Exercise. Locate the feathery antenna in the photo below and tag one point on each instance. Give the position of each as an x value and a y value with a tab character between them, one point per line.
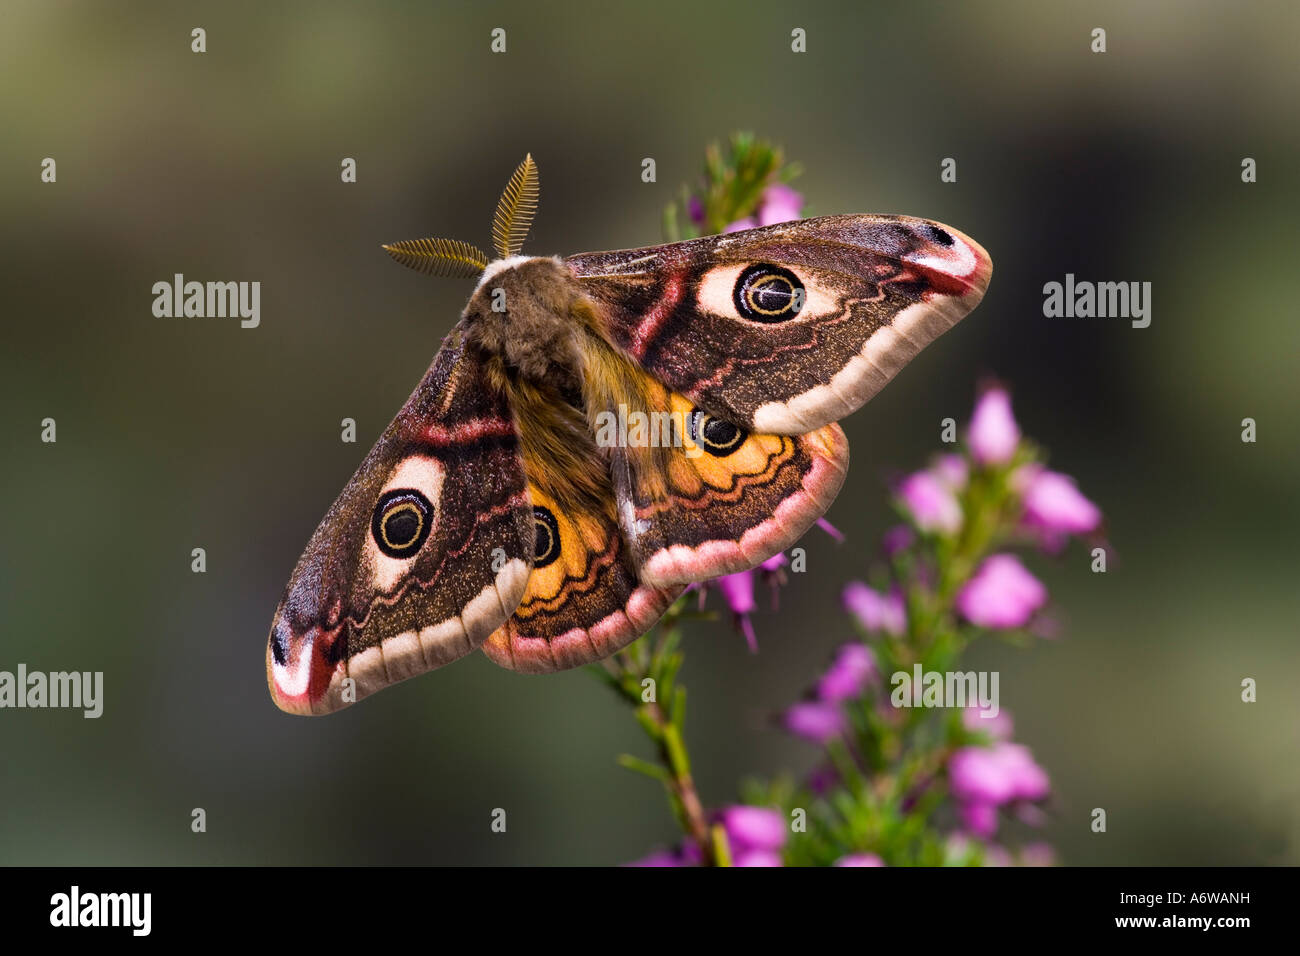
439	257
516	209
451	257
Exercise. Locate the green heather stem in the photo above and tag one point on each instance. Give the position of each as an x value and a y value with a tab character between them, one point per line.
664	726
680	784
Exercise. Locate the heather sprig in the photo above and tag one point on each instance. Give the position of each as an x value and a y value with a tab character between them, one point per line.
929	785
745	186
893	784
644	675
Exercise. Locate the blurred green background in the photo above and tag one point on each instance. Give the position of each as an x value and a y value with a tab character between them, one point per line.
175	433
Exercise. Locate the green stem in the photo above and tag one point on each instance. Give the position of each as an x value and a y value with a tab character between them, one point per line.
663	725
679	783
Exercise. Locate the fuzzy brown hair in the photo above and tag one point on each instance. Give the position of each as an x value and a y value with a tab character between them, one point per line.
535	335
547	353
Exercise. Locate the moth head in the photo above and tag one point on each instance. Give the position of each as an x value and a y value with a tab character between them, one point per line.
510	225
520	311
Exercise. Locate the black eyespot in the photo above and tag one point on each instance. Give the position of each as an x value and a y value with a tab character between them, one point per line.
717	436
935	234
401	522
547	546
768	293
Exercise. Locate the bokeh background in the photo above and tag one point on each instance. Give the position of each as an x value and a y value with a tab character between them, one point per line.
175	433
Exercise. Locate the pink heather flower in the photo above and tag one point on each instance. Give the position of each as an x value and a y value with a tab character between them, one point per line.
757	858
860	859
1001	594
1053	503
980	819
853	669
952	470
815	720
738	591
931	503
875	611
753	828
996	775
1037	854
896	539
780	203
696	210
994	434
995	855
895	618
830	529
998	727
976	776
740	225
1028	780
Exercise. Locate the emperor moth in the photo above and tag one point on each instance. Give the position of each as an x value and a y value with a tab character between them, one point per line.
489	515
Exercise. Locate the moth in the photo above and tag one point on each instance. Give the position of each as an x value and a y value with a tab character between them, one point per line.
500	510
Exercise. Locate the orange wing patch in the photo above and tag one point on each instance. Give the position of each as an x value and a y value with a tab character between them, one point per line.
583	601
722	500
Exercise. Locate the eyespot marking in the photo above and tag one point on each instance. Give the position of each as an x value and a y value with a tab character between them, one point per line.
546	547
717	436
768	293
401	522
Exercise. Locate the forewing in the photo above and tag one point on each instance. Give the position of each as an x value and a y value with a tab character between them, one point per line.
426	551
706	316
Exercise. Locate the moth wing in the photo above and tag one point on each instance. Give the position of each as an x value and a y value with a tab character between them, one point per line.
426	551
715	499
711	318
584	600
